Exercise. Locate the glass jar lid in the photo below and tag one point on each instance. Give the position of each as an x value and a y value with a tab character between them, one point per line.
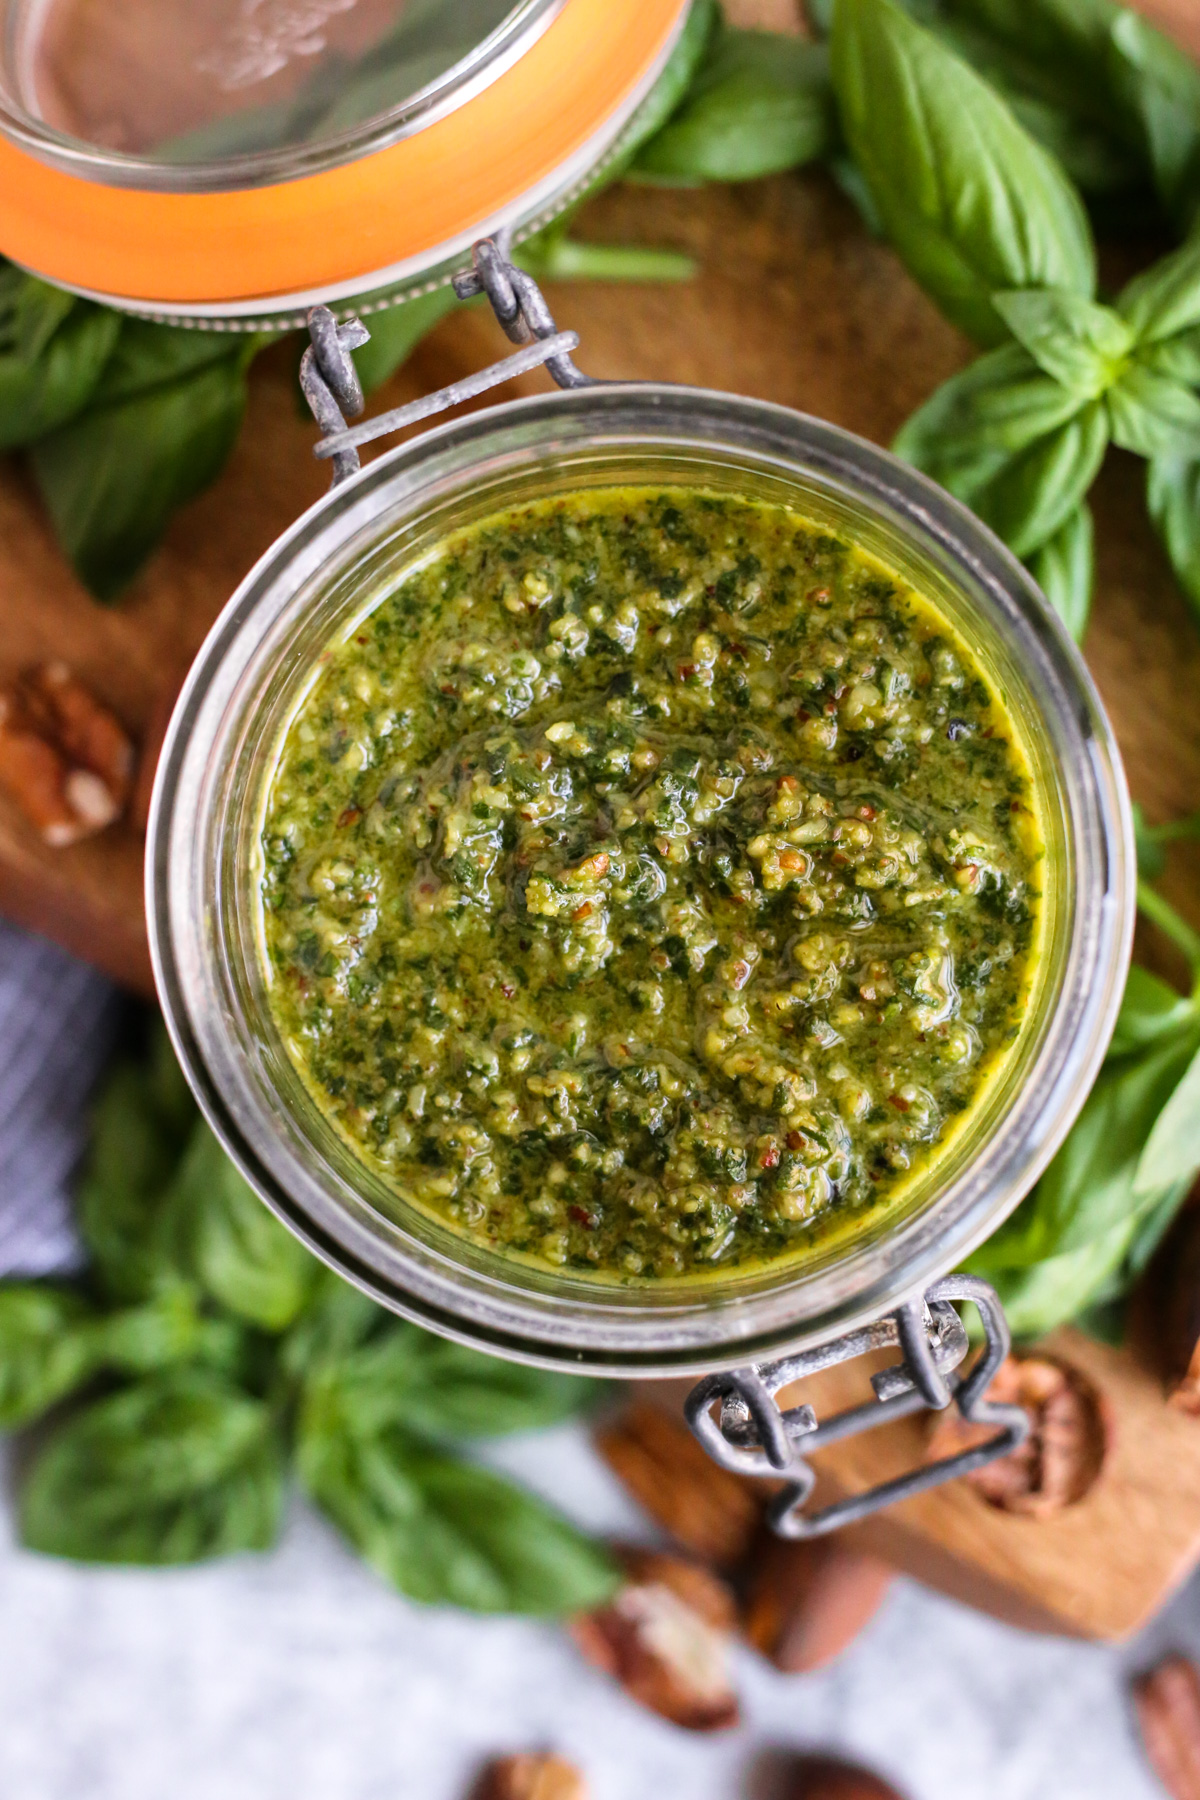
282	153
161	92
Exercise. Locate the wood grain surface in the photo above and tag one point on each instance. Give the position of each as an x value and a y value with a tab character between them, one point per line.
797	304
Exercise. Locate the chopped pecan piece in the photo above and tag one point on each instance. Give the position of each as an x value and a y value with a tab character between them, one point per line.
806	1602
1167	1702
824	1778
1061	1459
711	1512
88	734
665	1637
64	758
533	1776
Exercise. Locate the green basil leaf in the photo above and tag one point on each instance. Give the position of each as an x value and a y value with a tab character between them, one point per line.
976	422
135	1149
172	1470
671	89
1151	857
337	1319
410	1379
1050	61
1164	301
396	332
1173	502
46	1350
144	1339
971	202
1150	1009
235	1247
1082	345
1152	415
1010	442
1173	1151
1160	86
441	1530
42	389
1064	569
112	478
1089	1188
760	103
1039	1298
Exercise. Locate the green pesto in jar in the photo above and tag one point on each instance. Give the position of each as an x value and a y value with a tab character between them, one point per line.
648	883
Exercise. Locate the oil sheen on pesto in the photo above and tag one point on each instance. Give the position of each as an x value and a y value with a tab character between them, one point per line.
647	883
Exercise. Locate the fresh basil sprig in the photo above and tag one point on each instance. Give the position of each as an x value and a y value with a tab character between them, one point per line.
206	1355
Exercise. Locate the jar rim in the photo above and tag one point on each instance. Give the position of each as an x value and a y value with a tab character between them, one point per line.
481	1301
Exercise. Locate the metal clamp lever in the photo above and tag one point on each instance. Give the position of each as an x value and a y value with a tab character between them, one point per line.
334	392
753	1435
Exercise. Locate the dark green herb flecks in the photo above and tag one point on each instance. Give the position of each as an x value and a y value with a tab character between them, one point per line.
647	883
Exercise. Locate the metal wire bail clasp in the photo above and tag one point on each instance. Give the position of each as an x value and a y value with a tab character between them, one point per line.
752	1435
333	391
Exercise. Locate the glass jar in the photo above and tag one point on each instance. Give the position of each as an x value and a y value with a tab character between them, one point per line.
239	161
333	567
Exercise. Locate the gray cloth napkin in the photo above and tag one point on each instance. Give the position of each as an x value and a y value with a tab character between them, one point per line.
58	1020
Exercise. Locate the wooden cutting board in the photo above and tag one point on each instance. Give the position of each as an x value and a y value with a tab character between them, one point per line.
797	304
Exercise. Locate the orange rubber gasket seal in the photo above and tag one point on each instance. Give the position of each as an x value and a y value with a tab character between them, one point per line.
354	220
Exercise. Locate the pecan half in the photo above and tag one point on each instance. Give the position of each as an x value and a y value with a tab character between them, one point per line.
533	1776
1061	1459
824	1778
665	1637
806	1602
711	1512
64	758
1167	1703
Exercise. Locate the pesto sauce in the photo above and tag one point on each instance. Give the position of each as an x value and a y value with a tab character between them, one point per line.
646	883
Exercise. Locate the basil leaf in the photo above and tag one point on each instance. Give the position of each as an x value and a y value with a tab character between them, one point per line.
671	89
977	421
1153	415
970	201
136	1145
336	1320
1173	502
396	332
1164	301
46	1350
441	1530
759	104
50	364
1039	1298
1082	345
1064	569
112	479
1010	442
1160	86
1151	857
424	1384
234	1246
1089	1187
168	1329
172	1470
1173	1151
1150	1009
